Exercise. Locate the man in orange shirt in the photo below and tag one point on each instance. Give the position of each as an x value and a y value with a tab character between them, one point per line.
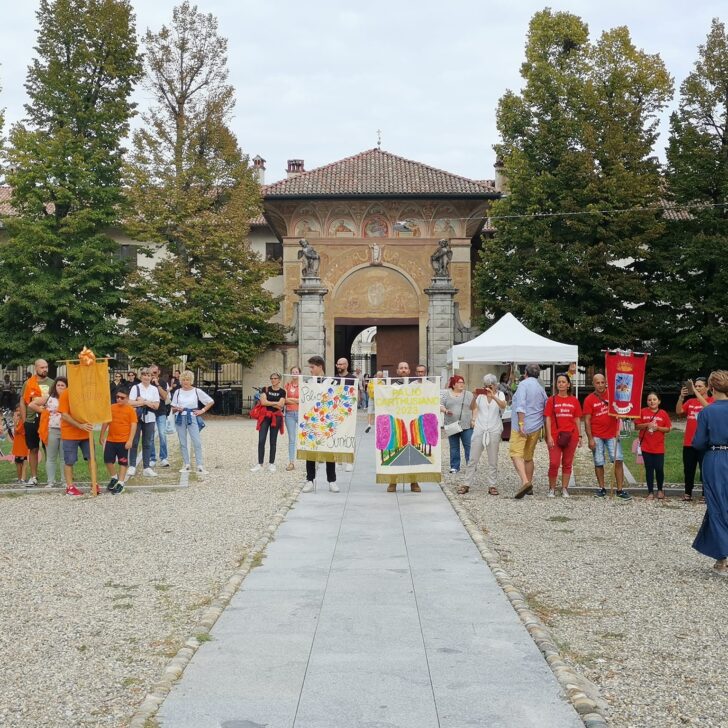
116	437
74	435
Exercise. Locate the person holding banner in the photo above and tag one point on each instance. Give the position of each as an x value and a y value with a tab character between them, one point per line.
562	416
602	432
317	367
691	457
653	423
74	436
711	437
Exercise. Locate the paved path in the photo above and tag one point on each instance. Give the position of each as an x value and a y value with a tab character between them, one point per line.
370	610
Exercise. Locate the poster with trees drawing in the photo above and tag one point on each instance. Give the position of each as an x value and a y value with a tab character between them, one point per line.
326	421
407	432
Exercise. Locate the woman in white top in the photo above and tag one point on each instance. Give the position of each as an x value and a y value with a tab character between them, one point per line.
487	427
189	403
145	397
53	446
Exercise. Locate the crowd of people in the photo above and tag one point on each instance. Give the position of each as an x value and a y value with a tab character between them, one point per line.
145	405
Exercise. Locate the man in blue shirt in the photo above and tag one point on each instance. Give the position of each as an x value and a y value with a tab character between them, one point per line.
528	405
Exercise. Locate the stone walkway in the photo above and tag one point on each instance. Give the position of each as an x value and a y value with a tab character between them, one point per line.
370	610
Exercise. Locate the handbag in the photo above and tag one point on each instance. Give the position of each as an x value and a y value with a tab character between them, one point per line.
455	427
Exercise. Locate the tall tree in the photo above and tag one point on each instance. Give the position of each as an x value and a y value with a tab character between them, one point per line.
191	188
691	278
576	145
59	274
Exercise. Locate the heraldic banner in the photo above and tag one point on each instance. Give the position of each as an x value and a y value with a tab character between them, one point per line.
88	389
326	421
407	432
625	379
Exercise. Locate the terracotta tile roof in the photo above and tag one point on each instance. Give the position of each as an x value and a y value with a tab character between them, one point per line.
377	173
5	206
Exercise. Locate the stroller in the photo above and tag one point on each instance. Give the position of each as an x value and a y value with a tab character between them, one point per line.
6	433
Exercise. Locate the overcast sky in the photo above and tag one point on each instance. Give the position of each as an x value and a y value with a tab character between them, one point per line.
315	80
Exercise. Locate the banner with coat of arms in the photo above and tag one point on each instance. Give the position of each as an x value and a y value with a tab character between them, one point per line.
407	432
326	420
625	374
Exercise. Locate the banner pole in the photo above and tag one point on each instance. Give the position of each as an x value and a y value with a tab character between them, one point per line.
92	464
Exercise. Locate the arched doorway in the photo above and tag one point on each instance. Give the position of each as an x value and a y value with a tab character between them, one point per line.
384	297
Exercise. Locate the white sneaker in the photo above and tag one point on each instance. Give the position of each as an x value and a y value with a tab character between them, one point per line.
308	488
164	463
552	494
349	467
271	468
32	482
131	472
50	484
256	468
149	473
183	469
333	487
202	471
152	463
565	493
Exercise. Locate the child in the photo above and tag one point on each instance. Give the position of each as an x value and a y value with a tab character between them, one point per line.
117	437
653	423
20	449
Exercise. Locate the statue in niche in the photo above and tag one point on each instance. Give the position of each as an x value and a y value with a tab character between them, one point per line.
441	258
311	259
376	254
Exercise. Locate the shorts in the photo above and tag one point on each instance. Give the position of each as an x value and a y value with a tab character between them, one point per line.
70	450
613	447
114	451
523	446
32	439
19	459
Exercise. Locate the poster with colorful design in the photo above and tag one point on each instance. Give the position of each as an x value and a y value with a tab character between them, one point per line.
625	379
326	420
407	432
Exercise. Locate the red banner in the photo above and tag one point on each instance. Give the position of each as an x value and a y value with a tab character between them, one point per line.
625	379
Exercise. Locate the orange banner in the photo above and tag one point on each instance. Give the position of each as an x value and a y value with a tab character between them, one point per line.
88	392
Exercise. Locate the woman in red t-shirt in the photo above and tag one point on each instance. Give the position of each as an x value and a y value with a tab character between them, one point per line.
562	415
691	409
653	423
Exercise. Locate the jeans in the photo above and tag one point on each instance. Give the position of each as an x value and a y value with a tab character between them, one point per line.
292	427
265	427
465	437
53	450
146	431
162	430
188	426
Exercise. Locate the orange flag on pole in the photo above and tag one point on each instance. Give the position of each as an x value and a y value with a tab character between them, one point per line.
88	389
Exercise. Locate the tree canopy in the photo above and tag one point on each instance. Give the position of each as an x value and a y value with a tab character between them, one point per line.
59	273
578	219
191	189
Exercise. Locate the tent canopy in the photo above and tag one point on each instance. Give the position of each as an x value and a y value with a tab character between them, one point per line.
508	340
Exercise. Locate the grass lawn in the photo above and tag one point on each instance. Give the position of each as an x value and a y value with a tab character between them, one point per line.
81	468
673	458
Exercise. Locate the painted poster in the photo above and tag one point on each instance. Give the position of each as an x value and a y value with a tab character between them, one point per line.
326	420
407	432
625	378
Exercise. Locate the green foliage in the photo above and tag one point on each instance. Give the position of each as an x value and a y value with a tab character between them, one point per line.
190	187
59	273
689	267
577	139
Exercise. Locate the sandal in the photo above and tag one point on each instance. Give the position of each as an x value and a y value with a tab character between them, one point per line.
701	500
660	495
687	498
463	489
493	490
650	496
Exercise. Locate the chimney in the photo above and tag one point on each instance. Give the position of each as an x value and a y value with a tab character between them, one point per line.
501	178
259	169
295	167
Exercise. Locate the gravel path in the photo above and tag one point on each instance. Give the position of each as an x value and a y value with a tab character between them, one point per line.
632	606
98	594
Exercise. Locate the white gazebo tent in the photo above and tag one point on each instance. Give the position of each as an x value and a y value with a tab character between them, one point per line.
509	341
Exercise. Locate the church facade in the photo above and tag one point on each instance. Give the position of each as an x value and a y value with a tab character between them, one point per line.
373	240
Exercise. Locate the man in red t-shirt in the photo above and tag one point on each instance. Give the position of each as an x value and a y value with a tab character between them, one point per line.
603	432
691	408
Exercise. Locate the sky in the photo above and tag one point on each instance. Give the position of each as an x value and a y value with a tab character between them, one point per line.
316	80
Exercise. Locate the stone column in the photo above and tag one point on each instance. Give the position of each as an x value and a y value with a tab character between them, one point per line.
441	324
311	326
